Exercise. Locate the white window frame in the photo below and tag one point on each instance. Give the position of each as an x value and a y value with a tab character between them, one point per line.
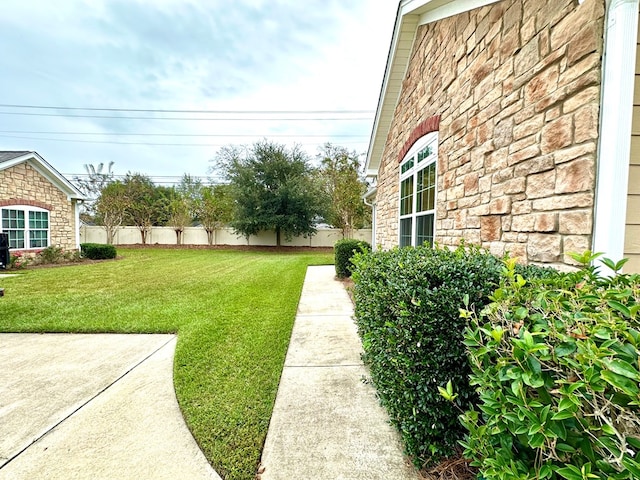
27	230
430	141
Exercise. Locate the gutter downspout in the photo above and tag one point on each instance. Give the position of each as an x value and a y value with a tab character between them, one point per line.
367	195
618	75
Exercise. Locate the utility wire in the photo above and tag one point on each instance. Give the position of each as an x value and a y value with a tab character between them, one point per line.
226	112
110	142
222	119
181	134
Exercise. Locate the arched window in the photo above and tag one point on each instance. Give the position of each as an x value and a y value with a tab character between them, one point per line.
28	227
418	192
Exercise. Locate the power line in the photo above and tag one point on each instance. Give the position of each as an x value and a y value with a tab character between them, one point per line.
183	134
225	119
225	112
111	142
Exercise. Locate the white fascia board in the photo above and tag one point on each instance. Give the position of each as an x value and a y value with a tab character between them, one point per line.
411	14
614	140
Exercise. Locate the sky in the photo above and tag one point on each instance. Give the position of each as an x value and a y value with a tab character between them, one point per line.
159	86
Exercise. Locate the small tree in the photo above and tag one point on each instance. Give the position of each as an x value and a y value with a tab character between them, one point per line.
179	217
273	189
111	208
343	187
215	209
144	204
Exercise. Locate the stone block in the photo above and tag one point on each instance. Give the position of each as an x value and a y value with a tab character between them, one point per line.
490	228
576	222
557	134
523	223
563	202
524	154
471	184
571	153
500	206
541	185
534	165
521	207
575	244
586	123
575	176
546	222
545	248
542	85
588	96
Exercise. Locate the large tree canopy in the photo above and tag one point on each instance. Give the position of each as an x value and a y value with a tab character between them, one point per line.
273	189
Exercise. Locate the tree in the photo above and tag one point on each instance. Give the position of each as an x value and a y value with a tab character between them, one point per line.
92	186
111	208
146	204
343	187
215	209
179	216
273	189
190	189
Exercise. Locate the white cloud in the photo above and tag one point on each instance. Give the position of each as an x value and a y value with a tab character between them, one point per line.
170	54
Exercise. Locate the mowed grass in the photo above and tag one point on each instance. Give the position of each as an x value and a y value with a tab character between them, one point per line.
233	312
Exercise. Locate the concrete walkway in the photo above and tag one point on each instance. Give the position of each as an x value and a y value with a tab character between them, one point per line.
327	423
93	407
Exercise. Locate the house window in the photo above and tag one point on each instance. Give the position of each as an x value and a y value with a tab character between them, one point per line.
418	192
28	227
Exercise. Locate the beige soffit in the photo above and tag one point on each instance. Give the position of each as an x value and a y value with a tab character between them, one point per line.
411	14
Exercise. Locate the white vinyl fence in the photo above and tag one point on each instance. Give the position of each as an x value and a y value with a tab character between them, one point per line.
225	236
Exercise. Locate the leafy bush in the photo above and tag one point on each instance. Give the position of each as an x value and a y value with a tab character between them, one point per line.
344	251
555	364
97	251
51	254
17	261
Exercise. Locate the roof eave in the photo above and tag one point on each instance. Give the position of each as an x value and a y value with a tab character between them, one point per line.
411	14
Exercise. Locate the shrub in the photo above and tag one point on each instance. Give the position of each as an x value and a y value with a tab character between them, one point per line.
408	315
51	254
97	251
17	261
344	251
555	365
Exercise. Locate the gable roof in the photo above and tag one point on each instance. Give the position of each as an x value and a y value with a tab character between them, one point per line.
411	14
9	159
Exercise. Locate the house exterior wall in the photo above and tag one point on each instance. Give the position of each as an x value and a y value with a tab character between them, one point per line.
517	88
24	185
632	231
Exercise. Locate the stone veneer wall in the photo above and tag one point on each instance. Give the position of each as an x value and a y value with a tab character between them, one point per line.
23	185
517	85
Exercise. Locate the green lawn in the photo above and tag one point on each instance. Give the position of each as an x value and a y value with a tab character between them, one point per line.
233	312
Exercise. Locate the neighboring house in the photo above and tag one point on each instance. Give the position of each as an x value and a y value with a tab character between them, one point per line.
511	124
38	206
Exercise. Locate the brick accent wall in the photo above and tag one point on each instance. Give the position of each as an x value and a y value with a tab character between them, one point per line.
517	86
23	185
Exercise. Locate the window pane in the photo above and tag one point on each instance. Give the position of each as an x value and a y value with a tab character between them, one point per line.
426	189
424	229
12	218
38	220
408	165
405	232
38	239
406	196
16	238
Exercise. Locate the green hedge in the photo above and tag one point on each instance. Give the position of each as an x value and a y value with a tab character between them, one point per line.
344	250
97	251
555	363
408	315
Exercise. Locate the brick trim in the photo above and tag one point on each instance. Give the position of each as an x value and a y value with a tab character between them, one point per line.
431	124
23	201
